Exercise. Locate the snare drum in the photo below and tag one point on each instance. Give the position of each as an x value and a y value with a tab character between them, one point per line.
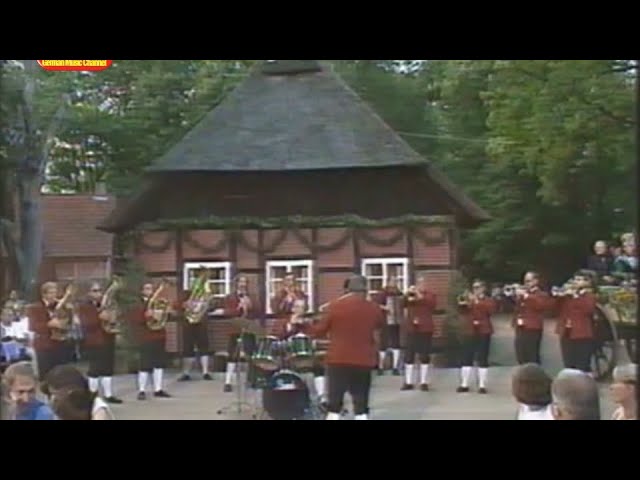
268	354
300	352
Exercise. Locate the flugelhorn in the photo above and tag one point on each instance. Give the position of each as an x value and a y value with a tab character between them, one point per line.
510	290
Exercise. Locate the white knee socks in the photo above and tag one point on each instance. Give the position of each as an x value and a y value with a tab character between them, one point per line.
333	416
107	386
465	374
424	374
381	357
408	374
204	363
396	358
231	369
482	377
318	383
157	379
143	378
364	416
94	384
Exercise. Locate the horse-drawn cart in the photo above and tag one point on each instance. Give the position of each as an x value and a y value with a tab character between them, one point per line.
616	328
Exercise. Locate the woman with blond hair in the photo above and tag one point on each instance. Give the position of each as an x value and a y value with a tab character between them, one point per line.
623	391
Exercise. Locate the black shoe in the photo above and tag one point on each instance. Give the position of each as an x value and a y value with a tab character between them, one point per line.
161	394
407	386
185	377
380	372
113	400
424	387
483	391
396	372
228	388
142	396
462	389
207	376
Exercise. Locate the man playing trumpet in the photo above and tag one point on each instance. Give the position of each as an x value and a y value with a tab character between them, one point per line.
391	300
420	304
476	308
576	305
531	305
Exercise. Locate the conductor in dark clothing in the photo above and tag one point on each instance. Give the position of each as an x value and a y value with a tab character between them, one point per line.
352	323
601	262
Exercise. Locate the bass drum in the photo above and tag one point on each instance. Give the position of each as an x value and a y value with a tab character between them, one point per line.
286	396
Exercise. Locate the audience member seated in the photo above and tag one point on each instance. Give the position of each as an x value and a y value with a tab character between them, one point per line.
70	396
623	392
625	267
601	263
531	387
575	396
13	339
20	382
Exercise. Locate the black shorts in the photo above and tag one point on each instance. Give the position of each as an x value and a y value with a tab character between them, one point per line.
195	336
476	349
418	343
390	337
152	355
101	360
61	354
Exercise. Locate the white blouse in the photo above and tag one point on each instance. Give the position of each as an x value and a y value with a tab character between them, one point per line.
527	412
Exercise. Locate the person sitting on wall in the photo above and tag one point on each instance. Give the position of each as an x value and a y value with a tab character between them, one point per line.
601	262
625	267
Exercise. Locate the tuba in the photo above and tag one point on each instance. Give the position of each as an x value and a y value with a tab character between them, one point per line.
159	308
64	315
109	313
198	303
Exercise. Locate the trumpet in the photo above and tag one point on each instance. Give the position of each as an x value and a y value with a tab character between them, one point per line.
568	289
464	298
511	290
412	293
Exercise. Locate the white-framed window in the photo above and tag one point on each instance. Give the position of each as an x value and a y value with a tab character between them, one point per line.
378	270
276	270
220	281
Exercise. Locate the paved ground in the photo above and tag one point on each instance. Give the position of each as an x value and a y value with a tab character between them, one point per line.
200	400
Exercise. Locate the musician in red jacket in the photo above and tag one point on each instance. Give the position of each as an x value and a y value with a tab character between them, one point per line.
282	301
420	304
296	323
528	320
353	324
577	306
49	352
100	346
391	299
238	304
151	343
476	309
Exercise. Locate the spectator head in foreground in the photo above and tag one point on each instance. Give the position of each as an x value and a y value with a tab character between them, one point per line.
575	396
624	391
531	387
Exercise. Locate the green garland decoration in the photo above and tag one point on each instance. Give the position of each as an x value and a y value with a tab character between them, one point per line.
353	221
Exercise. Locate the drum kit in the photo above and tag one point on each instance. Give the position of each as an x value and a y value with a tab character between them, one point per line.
277	368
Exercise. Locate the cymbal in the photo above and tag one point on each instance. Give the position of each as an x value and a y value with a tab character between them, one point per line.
249	326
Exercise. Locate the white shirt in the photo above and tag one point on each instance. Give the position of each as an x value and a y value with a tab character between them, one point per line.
15	330
99	404
528	413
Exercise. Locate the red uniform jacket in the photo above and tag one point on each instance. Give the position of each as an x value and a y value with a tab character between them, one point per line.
420	310
232	309
282	305
350	323
477	316
532	310
576	316
38	314
279	328
94	334
138	319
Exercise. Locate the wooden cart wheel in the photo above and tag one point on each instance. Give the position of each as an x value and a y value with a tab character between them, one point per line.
605	355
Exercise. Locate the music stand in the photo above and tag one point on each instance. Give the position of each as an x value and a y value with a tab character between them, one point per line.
240	404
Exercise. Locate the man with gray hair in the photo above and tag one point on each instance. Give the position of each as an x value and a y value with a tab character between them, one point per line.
575	396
